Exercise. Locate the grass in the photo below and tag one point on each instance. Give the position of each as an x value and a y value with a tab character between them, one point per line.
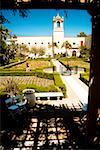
39	84
85	76
33	64
75	62
59	83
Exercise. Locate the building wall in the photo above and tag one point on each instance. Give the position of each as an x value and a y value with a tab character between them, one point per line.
88	42
46	41
58	38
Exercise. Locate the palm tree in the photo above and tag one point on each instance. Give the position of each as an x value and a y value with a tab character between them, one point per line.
67	46
11	87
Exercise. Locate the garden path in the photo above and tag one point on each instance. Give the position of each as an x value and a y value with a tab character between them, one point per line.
77	91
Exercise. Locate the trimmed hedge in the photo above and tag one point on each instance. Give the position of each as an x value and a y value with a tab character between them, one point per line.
37	73
58	82
37	88
85	78
51	88
13	64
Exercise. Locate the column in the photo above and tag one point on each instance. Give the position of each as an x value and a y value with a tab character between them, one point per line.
94	86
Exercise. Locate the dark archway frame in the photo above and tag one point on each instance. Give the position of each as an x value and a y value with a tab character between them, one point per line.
93	8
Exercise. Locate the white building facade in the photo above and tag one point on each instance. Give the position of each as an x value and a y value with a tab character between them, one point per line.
57	37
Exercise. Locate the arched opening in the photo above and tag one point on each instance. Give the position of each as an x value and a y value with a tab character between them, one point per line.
74	53
58	24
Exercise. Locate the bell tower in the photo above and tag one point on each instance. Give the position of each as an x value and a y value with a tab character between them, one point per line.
58	28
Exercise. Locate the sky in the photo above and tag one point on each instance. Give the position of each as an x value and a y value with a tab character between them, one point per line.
39	22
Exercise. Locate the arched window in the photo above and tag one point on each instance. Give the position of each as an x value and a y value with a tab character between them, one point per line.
58	24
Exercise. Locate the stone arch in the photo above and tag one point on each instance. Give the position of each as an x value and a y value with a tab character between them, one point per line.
74	53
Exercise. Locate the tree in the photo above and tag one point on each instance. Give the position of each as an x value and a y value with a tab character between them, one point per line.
67	46
5	33
12	49
41	51
81	34
22	49
84	52
35	50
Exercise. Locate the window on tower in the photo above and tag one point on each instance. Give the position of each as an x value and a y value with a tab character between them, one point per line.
58	24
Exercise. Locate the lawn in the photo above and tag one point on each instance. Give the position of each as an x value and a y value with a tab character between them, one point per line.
36	78
39	84
80	63
33	64
75	62
85	75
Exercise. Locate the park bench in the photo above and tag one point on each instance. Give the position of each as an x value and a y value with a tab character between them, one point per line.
49	96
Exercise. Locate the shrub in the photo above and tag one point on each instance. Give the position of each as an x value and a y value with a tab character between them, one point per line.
59	83
38	73
12	64
84	77
37	88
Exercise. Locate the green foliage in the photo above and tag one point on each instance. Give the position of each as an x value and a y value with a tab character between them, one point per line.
81	34
59	83
66	44
6	52
37	73
85	77
37	88
34	50
22	49
73	61
44	59
84	52
10	87
41	51
12	64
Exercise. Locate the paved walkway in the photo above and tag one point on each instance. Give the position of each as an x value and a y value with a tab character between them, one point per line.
77	91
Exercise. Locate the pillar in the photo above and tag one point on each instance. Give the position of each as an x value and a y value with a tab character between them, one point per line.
94	84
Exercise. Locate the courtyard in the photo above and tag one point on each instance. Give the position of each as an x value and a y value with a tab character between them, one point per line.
29	123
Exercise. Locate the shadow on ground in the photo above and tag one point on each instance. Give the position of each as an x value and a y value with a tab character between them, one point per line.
45	127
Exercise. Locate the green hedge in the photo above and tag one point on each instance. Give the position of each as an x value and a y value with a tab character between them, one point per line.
12	64
84	77
59	83
37	73
51	88
37	88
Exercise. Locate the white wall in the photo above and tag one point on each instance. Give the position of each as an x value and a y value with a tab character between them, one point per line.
75	41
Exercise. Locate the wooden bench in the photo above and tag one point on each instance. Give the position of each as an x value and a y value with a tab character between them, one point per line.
49	95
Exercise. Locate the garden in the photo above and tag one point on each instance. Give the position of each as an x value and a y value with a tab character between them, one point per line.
79	63
35	78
